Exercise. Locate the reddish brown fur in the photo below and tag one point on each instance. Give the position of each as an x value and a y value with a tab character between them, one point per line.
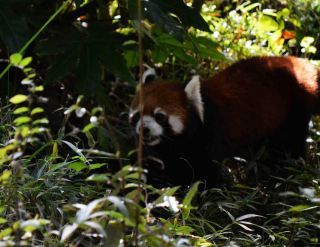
253	107
253	98
167	95
266	100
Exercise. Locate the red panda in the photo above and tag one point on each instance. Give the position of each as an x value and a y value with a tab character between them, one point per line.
257	100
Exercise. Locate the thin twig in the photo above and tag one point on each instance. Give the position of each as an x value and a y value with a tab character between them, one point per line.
140	141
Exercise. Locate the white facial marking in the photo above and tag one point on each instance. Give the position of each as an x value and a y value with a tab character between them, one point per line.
176	124
132	112
155	130
149	71
153	142
158	109
194	95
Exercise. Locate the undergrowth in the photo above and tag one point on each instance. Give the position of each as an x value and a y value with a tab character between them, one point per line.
62	189
79	185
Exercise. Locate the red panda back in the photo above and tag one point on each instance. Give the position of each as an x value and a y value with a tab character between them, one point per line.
254	97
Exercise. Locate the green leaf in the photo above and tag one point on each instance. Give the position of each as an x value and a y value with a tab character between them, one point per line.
132	58
307	41
160	54
22	120
167	192
118	203
41	121
37	110
245	9
58	166
181	54
188	16
68	231
21	110
88	127
2	220
96	166
75	149
98	178
39	88
267	24
115	228
184	230
96	226
301	208
25	62
161	11
158	14
247	216
190	195
6	174
19	98
33	224
15	58
5	232
166	39
77	166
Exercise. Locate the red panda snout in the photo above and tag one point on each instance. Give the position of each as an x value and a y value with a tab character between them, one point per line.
152	131
156	127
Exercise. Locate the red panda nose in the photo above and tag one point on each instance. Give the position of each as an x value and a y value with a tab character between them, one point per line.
146	131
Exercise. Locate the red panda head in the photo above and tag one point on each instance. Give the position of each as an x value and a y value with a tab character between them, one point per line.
165	107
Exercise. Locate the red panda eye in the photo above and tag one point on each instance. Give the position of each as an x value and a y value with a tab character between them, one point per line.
160	117
135	118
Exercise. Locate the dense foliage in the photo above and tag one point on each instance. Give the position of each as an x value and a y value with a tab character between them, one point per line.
68	171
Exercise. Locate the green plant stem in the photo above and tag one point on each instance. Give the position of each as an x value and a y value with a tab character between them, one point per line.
29	42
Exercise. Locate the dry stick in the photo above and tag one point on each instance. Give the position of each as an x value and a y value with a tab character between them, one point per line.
140	141
140	146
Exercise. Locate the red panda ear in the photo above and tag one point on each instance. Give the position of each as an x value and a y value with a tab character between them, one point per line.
193	92
149	75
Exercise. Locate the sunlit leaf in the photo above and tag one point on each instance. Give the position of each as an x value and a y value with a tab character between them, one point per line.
19	98
77	166
41	121
191	194
86	210
2	220
88	127
5	232
247	216
21	110
36	110
68	231
74	148
245	227
96	166
267	24
39	88
98	178
96	226
15	58
25	62
119	203
22	120
33	224
301	208
307	41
